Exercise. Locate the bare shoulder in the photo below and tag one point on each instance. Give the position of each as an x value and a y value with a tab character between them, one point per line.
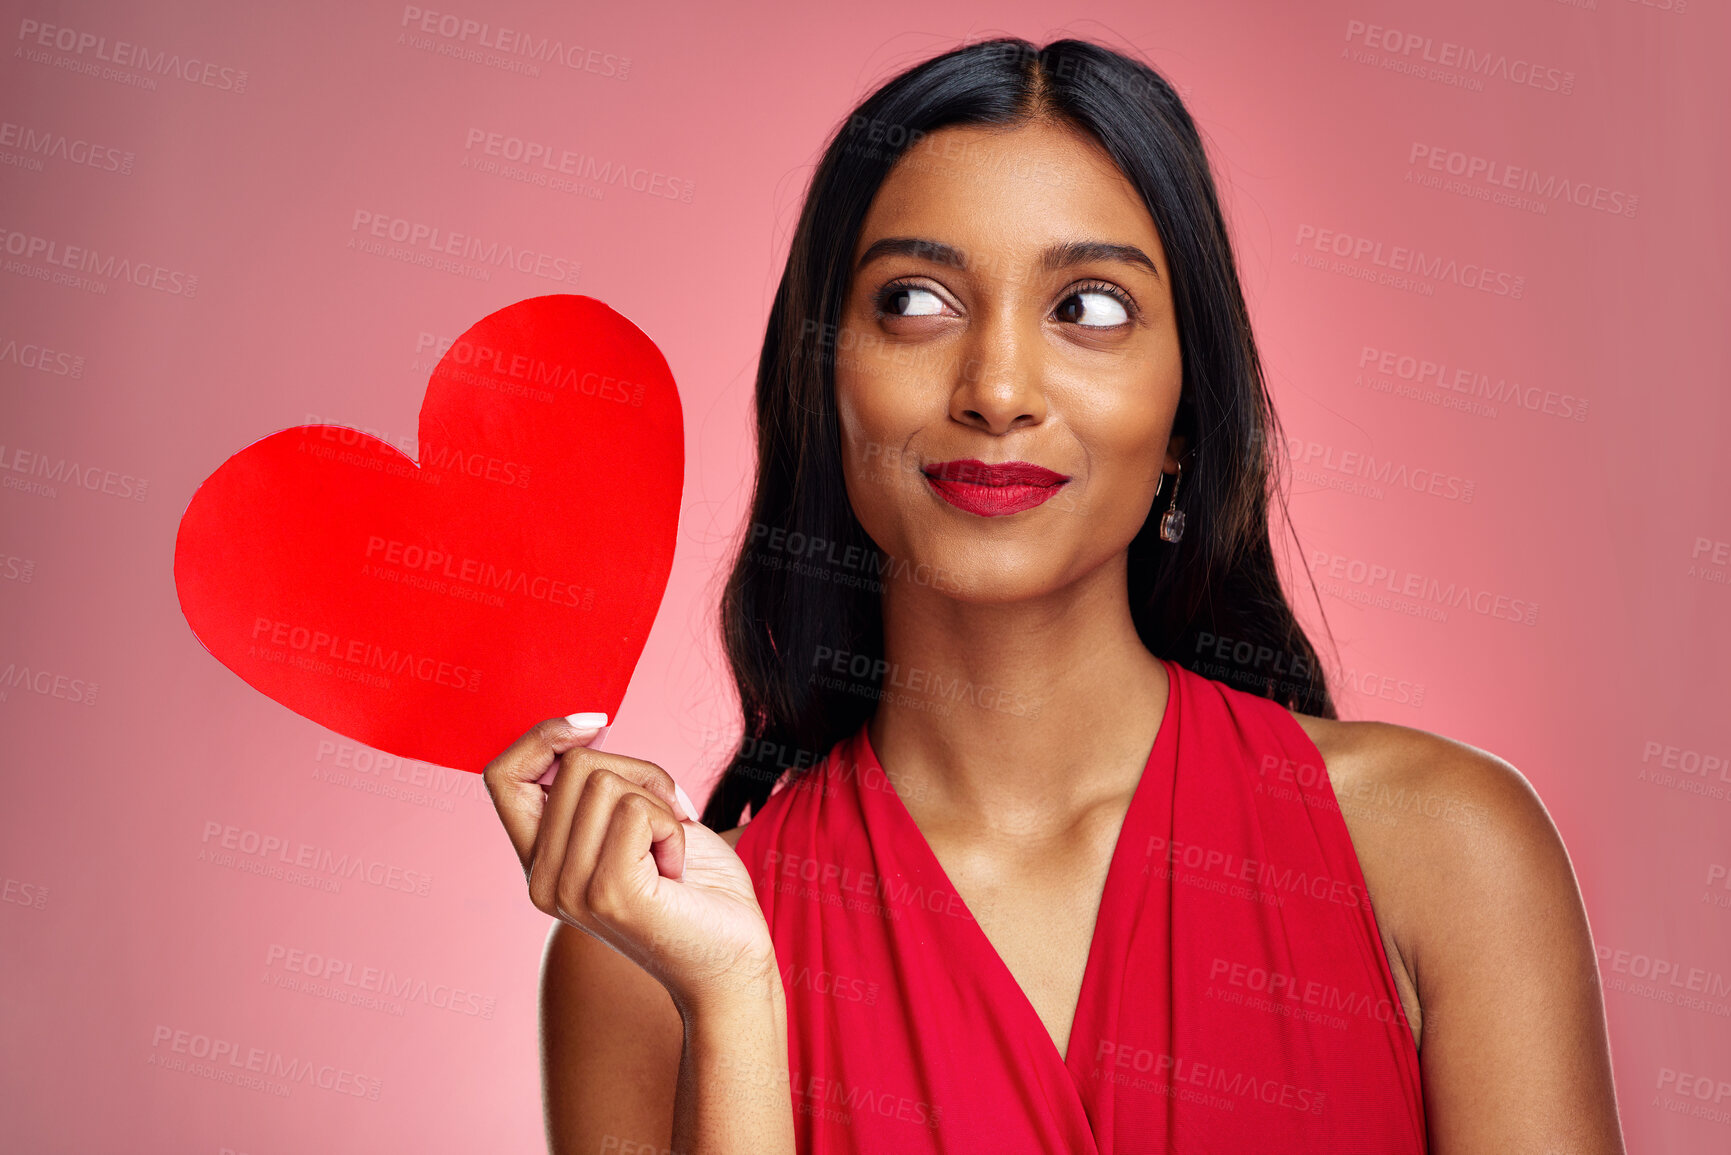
1476	897
1442	828
610	1045
732	836
1442	802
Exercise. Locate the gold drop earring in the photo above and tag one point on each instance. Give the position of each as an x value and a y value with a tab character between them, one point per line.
1172	521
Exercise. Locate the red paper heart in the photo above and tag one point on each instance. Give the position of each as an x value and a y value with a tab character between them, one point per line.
436	610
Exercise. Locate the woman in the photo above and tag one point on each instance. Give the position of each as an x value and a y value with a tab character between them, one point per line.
1031	881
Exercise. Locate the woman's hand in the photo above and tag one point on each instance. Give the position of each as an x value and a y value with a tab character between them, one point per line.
604	849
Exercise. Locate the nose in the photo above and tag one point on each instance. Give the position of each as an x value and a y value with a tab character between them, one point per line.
1000	382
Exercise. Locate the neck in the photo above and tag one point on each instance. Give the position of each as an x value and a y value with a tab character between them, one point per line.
1016	716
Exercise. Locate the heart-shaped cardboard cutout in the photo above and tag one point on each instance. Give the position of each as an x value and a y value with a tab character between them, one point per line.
436	609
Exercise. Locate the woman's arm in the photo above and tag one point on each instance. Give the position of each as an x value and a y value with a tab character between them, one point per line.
1515	1055
610	1042
733	1094
621	1065
608	848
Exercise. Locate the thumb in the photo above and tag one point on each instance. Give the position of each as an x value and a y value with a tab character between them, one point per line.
584	725
512	777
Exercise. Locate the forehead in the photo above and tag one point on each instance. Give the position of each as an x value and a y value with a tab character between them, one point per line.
1010	191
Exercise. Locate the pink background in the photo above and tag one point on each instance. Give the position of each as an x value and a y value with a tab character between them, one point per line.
1591	484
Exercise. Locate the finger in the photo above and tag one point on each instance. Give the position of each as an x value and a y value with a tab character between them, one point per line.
652	778
684	808
565	858
574	824
510	778
688	808
629	864
578	809
584	722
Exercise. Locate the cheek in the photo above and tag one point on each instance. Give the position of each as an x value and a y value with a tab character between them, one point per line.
880	416
1138	448
1125	431
872	454
1123	437
860	436
856	399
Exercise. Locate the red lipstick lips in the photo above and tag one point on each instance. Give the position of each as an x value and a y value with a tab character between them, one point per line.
993	490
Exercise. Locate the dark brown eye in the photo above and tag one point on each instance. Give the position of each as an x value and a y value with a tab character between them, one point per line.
1093	309
910	301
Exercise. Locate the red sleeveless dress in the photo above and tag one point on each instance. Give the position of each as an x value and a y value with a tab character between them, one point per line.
1236	997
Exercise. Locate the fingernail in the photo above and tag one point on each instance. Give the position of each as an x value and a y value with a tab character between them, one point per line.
587	722
685	801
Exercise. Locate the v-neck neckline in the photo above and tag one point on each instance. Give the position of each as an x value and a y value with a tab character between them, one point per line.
1115	871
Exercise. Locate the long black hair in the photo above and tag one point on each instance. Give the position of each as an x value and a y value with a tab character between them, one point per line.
803	588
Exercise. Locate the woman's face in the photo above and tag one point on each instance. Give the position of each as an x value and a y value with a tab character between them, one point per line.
1010	302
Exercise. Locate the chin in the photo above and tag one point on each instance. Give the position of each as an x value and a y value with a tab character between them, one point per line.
985	575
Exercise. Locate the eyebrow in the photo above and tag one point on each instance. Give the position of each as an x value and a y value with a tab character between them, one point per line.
1086	252
935	251
1059	256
